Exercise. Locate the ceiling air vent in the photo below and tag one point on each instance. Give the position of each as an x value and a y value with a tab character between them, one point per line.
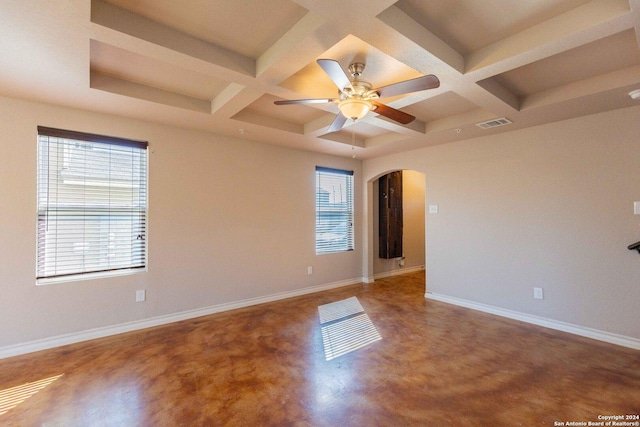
493	123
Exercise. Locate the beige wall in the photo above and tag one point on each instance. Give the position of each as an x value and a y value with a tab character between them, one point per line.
413	196
229	220
550	207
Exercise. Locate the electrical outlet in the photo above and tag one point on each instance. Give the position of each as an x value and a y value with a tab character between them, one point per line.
140	295
537	293
309	270
433	209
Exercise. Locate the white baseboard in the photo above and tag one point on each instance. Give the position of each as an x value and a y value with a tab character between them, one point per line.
595	334
90	334
398	272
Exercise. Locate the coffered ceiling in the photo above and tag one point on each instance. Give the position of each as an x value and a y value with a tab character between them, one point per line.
219	65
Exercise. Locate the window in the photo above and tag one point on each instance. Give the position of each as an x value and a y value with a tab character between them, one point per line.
334	210
92	204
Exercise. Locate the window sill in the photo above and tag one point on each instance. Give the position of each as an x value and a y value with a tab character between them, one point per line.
89	276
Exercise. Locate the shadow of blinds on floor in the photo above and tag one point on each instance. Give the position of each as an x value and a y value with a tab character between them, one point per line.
12	397
346	327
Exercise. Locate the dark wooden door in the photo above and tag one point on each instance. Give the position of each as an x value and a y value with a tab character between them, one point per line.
390	215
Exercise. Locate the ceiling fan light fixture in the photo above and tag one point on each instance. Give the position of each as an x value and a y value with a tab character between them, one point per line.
355	109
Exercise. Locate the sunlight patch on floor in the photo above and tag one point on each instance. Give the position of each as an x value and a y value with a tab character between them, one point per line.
339	309
348	335
12	397
346	327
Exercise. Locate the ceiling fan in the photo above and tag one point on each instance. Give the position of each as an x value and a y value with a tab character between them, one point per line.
356	97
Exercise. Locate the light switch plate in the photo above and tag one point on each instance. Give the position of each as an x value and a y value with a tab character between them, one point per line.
433	209
636	208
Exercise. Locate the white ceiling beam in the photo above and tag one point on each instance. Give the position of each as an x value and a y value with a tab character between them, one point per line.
414	128
270	122
584	24
606	82
233	99
427	53
140	91
140	29
225	96
351	14
402	24
301	53
500	92
301	32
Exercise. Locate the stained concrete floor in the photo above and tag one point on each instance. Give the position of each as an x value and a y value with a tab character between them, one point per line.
436	365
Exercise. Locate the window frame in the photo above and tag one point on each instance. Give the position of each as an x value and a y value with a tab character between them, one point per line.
343	213
91	214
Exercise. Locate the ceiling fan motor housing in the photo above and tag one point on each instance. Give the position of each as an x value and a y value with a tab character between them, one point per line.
359	89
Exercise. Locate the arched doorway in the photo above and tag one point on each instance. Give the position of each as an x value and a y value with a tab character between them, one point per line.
413	227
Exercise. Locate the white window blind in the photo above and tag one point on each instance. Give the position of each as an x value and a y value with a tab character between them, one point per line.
334	210
92	203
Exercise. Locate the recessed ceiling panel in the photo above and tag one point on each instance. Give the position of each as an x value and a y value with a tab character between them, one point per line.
380	69
468	25
124	65
363	130
602	56
247	27
356	134
438	107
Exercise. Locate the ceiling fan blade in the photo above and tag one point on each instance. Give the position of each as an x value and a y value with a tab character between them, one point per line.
335	73
304	101
392	113
408	86
337	123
